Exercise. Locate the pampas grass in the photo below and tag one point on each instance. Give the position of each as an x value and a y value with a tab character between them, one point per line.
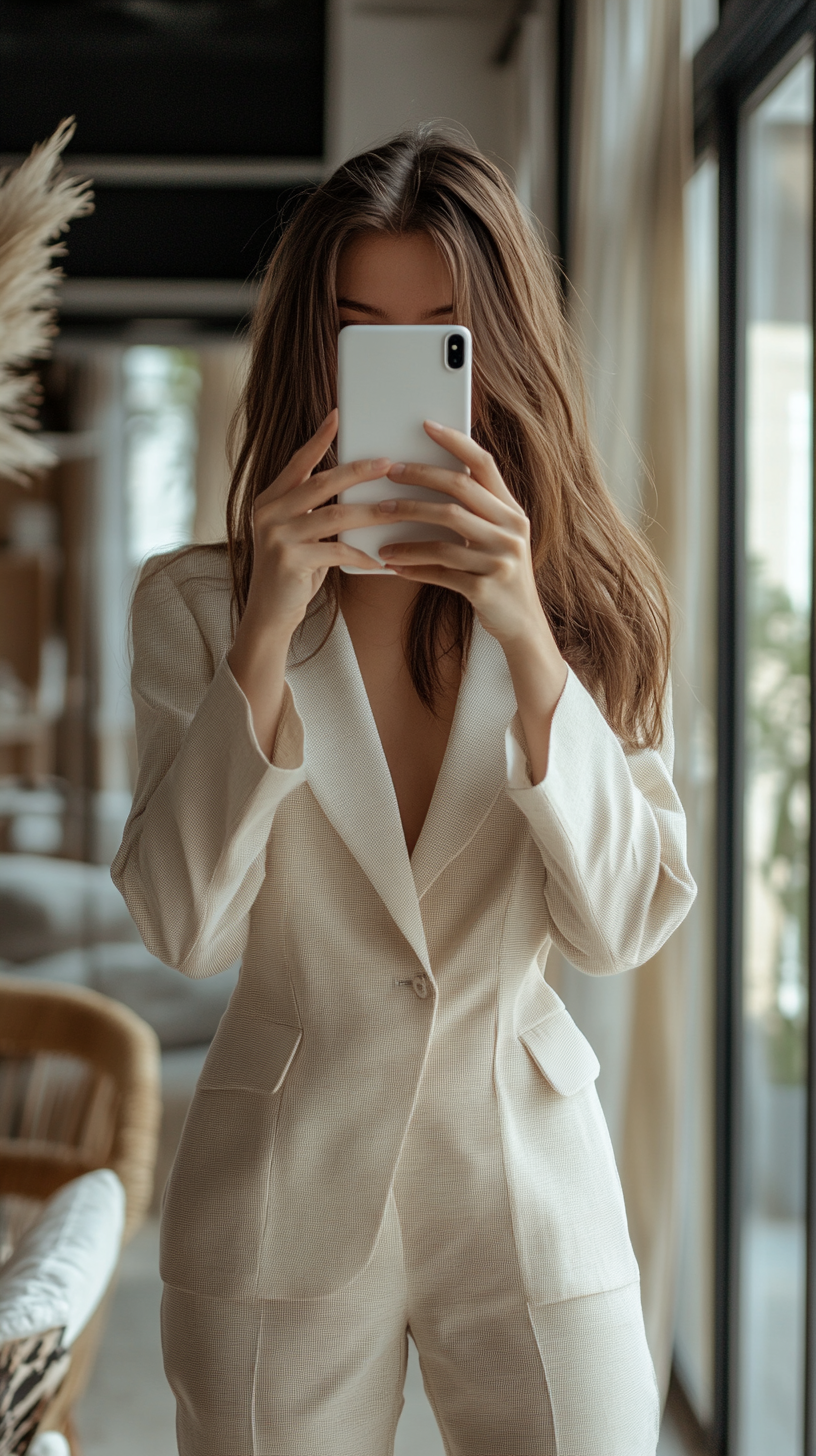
37	203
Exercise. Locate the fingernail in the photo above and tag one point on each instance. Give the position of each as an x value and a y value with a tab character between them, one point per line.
398	469
388	505
434	424
329	415
380	464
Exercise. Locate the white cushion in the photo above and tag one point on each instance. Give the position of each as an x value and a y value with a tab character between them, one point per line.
48	905
49	1443
61	1268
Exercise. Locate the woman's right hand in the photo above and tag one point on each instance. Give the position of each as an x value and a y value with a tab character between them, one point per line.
291	521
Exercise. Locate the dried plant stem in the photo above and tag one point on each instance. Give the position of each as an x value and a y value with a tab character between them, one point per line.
37	204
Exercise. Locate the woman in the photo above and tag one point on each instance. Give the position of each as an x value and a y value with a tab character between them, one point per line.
389	794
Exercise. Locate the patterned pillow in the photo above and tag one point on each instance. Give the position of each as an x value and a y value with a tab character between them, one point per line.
31	1372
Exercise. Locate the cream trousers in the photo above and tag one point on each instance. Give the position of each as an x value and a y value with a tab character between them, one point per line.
324	1376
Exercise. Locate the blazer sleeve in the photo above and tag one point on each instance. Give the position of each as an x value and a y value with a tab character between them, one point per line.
611	832
193	853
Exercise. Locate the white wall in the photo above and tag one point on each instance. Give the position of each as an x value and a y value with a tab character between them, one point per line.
391	66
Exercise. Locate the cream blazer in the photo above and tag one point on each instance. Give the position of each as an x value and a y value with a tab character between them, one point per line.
299	867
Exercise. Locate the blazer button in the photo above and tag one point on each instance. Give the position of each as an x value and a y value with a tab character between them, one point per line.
420	986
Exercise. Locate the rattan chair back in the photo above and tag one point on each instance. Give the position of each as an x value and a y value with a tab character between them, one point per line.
79	1090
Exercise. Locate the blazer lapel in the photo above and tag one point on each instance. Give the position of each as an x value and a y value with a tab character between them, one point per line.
347	771
473	771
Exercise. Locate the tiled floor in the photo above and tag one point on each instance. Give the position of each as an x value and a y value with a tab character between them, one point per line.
128	1409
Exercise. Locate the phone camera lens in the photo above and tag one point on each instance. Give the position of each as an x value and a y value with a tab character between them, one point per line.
455	351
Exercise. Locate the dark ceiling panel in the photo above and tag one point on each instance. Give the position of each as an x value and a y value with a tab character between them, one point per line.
151	77
224	233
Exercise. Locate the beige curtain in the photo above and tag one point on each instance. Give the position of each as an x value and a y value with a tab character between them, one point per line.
631	155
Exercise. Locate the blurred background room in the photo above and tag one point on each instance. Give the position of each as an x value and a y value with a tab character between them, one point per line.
665	149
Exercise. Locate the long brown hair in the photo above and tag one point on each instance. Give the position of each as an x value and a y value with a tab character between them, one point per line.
599	584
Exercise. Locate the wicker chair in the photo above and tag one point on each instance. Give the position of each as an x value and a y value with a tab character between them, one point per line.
79	1089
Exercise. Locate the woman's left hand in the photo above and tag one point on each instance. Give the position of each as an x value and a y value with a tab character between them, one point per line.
493	565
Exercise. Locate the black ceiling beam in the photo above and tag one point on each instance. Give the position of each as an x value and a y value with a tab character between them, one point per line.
200	124
192	79
174	232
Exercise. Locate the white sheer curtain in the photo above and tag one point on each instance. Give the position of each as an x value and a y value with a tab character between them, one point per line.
630	157
222	368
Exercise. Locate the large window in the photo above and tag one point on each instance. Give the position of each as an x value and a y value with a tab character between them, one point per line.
776	229
161	389
754	95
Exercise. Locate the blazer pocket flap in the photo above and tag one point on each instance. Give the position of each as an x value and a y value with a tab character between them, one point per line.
561	1052
250	1052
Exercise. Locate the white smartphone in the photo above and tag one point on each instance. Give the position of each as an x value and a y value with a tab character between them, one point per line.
391	377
